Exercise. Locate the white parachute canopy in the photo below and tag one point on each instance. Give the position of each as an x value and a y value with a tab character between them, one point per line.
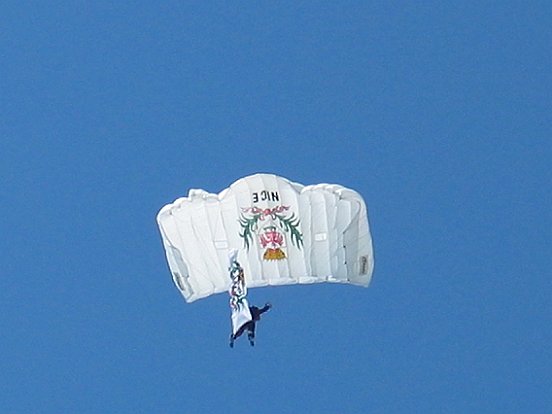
285	233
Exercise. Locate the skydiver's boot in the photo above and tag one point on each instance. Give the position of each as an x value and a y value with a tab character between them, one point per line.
251	339
231	341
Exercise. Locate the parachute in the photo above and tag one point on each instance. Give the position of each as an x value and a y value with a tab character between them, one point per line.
279	231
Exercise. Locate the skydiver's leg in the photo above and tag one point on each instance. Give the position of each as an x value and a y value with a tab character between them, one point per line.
241	330
251	333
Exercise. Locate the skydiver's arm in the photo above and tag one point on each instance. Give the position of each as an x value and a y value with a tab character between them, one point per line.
265	308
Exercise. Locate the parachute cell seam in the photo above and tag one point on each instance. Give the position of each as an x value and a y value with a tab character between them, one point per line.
203	248
211	247
192	292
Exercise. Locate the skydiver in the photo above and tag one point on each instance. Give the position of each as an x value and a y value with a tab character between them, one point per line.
250	326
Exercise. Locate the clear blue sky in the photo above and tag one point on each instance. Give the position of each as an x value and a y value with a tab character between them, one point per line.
438	113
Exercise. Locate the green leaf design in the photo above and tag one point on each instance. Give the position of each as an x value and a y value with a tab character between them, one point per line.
291	224
249	226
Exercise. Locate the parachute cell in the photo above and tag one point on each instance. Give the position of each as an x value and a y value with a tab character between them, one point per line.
285	233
